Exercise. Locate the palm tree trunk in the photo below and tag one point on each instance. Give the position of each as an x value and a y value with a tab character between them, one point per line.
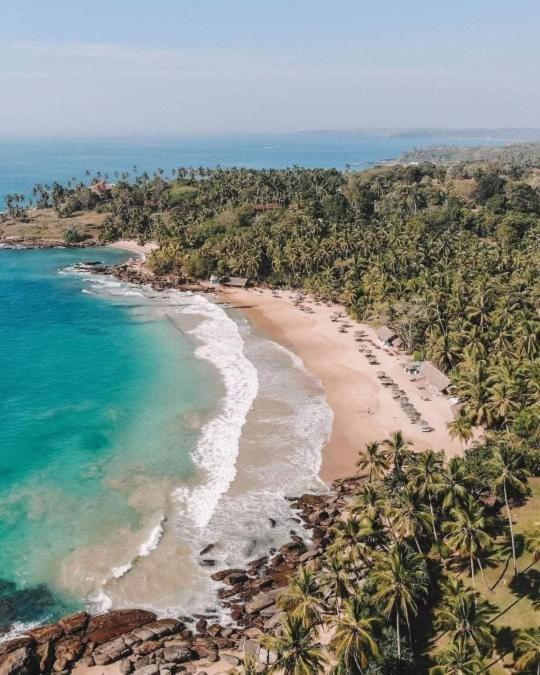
511	529
472	573
398	636
483	574
433	521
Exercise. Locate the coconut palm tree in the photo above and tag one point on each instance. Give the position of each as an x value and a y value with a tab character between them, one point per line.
297	651
507	465
400	580
454	483
425	475
527	649
468	620
466	533
461	427
399	449
334	580
373	459
303	598
354	641
458	659
532	542
409	518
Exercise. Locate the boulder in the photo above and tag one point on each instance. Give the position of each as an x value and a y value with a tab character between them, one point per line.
106	627
177	654
230	659
147	647
111	652
163	627
69	648
43	634
223	574
46	656
201	625
18	662
11	645
74	623
260	601
151	669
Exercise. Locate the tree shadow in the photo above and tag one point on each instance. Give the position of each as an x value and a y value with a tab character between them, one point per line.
504	553
527	585
504	640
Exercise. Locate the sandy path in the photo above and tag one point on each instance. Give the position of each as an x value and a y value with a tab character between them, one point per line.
364	410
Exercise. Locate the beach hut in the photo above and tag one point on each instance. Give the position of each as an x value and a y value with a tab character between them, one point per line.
437	379
386	335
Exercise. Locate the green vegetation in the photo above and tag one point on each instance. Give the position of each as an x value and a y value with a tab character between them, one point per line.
435	564
398	593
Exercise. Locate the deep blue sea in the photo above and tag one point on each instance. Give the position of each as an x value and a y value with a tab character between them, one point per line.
23	163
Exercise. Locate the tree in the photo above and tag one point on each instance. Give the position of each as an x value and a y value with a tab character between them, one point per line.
466	533
400	580
507	465
354	643
425	474
374	459
468	620
527	649
458	659
303	598
296	649
532	542
461	427
398	448
454	483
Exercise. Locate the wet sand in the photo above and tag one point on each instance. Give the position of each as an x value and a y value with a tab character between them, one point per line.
363	409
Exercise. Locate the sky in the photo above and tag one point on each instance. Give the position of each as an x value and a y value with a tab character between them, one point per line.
173	67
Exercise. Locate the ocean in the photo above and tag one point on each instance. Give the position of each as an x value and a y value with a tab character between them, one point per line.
23	163
138	428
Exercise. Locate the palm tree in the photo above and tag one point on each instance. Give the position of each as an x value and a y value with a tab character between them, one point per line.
458	659
409	519
468	620
527	648
454	483
297	652
374	459
426	476
303	597
400	580
461	427
399	449
532	542
507	464
334	579
466	533
353	643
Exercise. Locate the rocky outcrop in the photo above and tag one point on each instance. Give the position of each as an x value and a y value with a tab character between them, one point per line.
143	644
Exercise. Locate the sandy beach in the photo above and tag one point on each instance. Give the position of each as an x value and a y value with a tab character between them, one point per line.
363	409
131	245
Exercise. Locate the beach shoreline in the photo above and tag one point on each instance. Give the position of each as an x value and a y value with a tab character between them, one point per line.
364	410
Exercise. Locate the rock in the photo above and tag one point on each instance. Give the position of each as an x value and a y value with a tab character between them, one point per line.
267	657
201	625
151	669
253	632
163	627
272	522
105	627
237	578
230	659
147	647
45	633
60	665
214	630
141	634
125	667
18	662
111	652
227	632
207	562
207	549
11	645
46	656
69	648
251	648
74	623
140	662
177	654
223	574
261	601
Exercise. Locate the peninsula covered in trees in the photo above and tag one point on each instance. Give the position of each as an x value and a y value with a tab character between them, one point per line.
449	257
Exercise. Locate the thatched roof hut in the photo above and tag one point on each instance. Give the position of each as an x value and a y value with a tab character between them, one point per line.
434	376
386	334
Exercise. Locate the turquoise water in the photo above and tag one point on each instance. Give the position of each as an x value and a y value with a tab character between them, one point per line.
23	163
97	399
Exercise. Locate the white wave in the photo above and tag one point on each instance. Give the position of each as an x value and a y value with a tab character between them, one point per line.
153	540
121	570
100	603
18	629
217	450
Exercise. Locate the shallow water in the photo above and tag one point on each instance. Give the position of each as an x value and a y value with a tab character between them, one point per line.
137	428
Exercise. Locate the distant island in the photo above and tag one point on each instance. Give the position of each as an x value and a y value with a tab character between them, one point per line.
501	133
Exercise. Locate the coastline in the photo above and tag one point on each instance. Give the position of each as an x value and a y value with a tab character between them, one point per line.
363	409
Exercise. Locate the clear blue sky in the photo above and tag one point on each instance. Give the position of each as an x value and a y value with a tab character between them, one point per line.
163	67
